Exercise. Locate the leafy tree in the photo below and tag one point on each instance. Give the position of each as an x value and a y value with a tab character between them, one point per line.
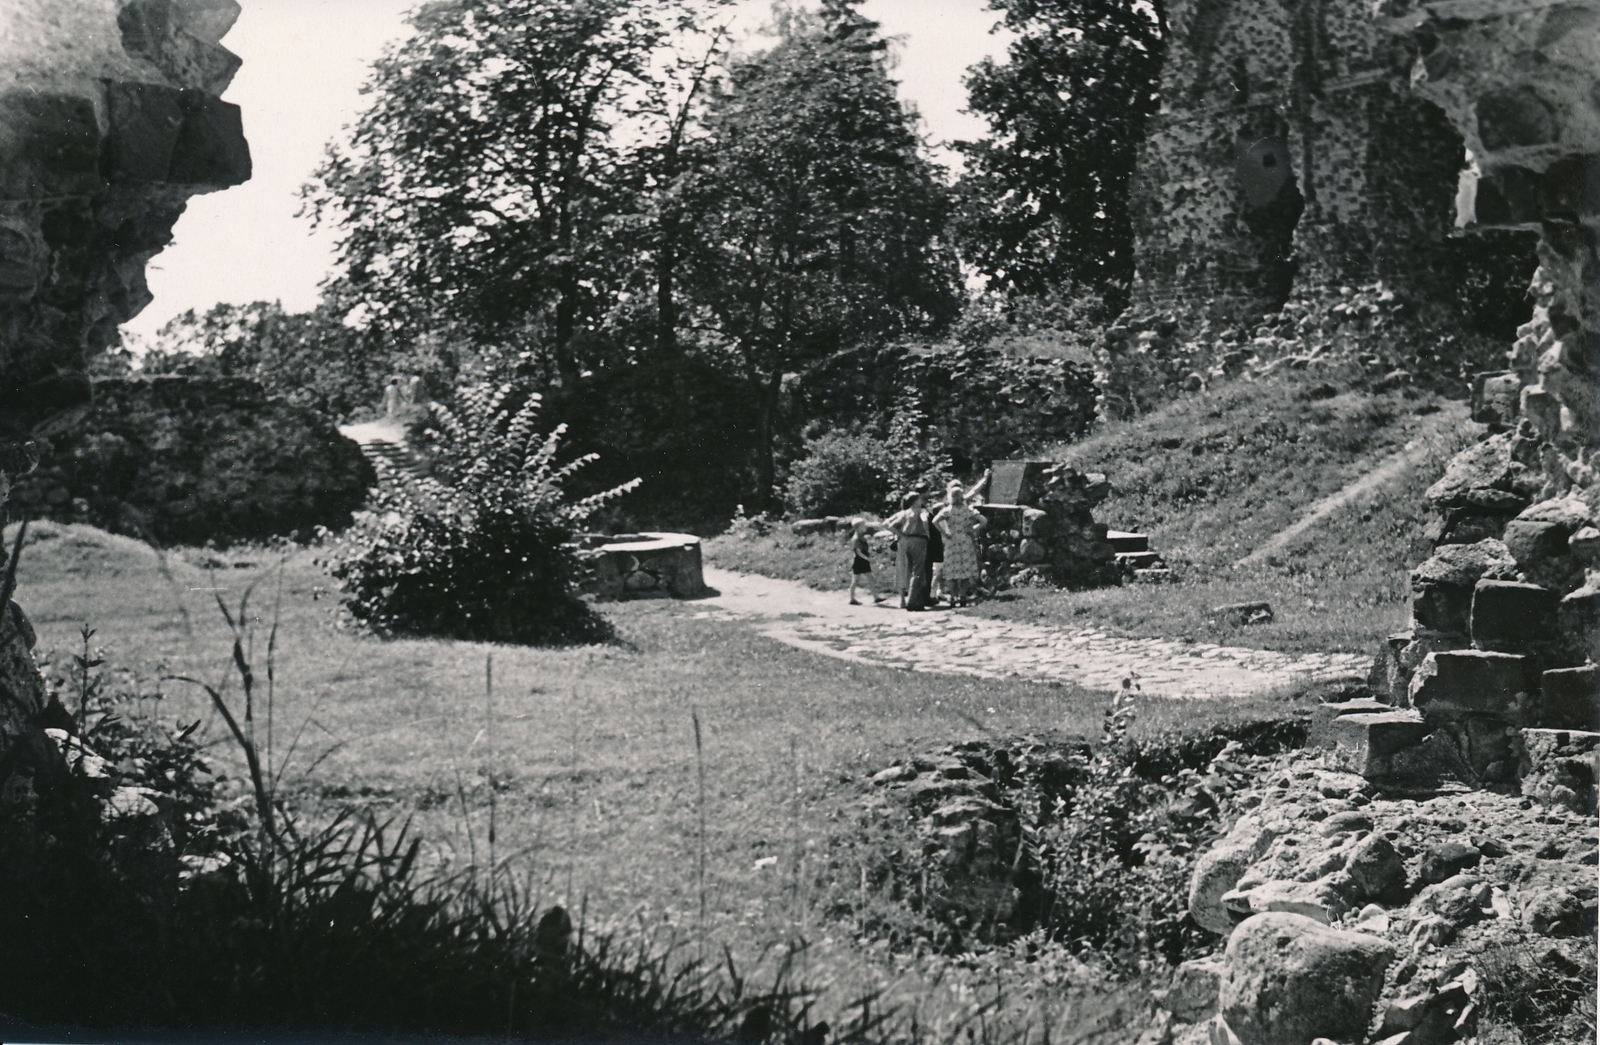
310	358
818	218
1044	201
488	188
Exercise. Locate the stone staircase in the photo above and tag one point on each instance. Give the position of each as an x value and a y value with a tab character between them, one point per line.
396	456
1136	559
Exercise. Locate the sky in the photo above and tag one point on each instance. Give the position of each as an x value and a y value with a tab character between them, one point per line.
304	64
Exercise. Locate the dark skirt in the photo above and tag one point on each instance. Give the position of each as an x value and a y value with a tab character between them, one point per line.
861	566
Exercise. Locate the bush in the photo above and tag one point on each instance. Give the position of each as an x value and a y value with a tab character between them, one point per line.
482	554
841	472
186	460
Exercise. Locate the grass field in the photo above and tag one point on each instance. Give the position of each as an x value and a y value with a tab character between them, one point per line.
583	760
1211	478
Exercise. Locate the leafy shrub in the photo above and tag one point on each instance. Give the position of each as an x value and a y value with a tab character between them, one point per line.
186	460
480	553
841	472
1114	860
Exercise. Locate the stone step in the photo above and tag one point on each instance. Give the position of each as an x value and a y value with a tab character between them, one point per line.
395	456
1143	560
1124	541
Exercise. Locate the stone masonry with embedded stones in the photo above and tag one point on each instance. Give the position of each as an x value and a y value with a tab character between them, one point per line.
110	119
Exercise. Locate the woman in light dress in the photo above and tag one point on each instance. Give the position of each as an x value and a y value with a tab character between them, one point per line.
960	526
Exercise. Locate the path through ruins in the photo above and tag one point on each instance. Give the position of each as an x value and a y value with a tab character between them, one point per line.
958	642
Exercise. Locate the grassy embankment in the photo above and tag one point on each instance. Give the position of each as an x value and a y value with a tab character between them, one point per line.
582	762
1211	478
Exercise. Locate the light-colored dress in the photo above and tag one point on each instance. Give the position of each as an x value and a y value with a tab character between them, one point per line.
960	526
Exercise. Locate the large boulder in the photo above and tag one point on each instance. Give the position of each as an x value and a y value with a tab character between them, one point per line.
1288	980
1219	870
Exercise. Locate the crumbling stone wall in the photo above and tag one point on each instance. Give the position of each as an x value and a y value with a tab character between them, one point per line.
1289	147
110	119
1521	84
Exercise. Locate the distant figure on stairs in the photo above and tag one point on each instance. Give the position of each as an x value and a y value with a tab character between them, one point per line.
400	397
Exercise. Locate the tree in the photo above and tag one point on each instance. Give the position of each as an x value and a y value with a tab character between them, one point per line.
487	189
818	219
1044	201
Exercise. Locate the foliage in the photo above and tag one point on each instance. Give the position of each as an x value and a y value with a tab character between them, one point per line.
311	359
841	472
480	553
680	424
1044	201
195	459
488	188
917	458
1062	321
976	403
1530	997
1115	860
818	218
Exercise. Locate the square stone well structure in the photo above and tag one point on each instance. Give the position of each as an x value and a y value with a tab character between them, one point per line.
642	566
1041	526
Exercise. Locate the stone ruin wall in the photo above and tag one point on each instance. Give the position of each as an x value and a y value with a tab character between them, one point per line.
110	119
1289	148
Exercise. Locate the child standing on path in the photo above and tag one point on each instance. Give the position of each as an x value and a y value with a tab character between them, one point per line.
861	562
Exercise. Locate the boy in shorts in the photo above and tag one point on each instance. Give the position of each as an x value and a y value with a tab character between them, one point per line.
861	561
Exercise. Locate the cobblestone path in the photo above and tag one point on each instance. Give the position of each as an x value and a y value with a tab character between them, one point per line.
959	643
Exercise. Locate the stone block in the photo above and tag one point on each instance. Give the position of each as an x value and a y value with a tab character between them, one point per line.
145	122
1035	522
1125	541
1465	682
1569	698
1442	585
1447	859
1495	397
1376	867
211	148
1537	538
1578	622
1031	551
1510	616
1371	740
51	147
1243	613
1289	979
1323	715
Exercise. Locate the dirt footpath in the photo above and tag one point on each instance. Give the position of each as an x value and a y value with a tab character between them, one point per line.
957	642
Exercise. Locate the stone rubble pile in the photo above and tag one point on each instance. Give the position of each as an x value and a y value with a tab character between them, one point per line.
1049	535
1353	914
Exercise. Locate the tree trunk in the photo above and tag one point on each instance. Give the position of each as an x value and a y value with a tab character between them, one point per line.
768	394
666	306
